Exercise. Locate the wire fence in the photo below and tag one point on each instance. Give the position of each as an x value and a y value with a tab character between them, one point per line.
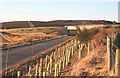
51	64
25	64
60	57
113	53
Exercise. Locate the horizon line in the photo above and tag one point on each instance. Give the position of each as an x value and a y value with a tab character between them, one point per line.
51	20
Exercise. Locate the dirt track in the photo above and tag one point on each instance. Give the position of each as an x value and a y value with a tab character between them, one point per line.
20	53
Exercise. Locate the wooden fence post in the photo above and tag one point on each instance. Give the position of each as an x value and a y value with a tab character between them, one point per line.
72	50
109	52
60	66
41	67
88	48
51	61
48	69
18	74
80	53
54	56
29	71
80	50
64	61
56	71
36	70
44	74
30	76
117	63
69	56
46	61
63	52
40	71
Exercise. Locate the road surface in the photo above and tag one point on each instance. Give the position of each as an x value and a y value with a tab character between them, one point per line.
20	53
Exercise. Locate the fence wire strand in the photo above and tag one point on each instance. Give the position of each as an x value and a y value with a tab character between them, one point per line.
114	45
113	54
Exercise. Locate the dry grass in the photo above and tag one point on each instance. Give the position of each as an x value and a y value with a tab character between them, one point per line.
94	64
21	36
46	30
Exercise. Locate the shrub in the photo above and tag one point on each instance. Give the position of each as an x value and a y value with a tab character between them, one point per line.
106	27
84	36
4	46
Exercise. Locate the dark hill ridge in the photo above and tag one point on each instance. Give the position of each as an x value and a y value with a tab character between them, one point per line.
24	24
15	24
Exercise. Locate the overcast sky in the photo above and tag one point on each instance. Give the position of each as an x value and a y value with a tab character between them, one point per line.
46	10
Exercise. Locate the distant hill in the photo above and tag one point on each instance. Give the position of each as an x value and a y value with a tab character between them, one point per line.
24	24
15	24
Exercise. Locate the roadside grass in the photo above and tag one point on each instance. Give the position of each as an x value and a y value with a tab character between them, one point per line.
86	35
27	35
25	42
36	30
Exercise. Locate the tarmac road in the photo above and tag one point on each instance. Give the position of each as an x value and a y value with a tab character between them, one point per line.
20	53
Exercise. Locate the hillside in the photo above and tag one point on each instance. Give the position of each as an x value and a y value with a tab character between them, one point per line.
21	36
72	59
94	64
15	24
24	24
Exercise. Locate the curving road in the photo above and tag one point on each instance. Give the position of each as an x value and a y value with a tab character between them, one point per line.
20	53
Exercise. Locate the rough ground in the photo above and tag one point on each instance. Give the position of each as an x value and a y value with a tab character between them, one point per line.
11	37
94	64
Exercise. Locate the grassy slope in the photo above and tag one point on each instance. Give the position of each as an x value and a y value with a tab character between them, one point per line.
27	35
94	64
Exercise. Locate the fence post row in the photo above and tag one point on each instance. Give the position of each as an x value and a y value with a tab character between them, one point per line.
45	66
117	57
65	56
